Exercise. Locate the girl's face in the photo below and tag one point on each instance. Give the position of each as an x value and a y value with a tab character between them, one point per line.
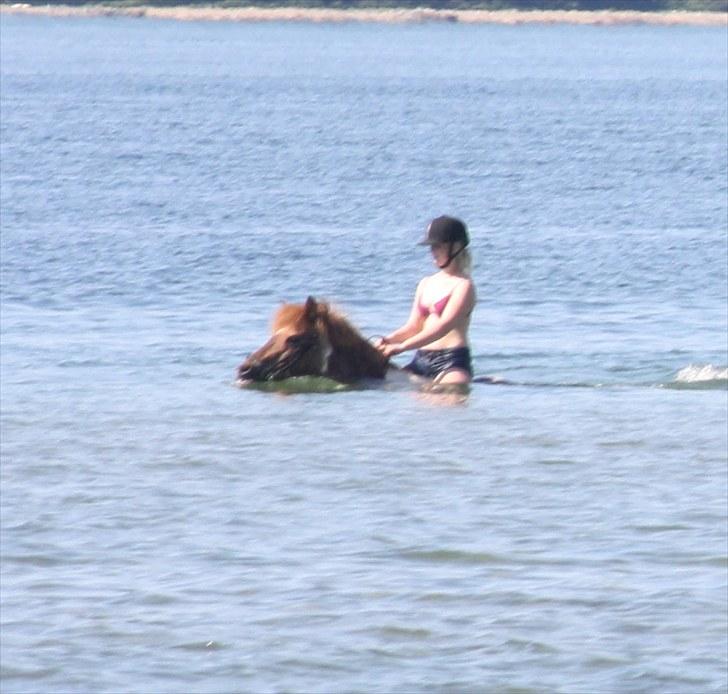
439	253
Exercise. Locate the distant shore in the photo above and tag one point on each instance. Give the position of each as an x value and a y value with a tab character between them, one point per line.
386	16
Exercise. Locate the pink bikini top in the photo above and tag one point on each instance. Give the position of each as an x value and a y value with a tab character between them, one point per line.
437	308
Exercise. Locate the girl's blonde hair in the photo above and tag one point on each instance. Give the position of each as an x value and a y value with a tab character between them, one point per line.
463	261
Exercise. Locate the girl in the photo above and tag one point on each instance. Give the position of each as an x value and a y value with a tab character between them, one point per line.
440	317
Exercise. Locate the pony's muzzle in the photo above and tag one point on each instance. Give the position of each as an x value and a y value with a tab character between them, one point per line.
248	371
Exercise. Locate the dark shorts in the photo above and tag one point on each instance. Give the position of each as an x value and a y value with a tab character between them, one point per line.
433	362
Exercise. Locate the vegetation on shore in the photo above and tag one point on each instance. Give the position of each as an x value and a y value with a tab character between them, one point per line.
582	5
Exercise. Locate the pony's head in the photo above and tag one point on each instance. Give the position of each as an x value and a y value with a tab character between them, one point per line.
312	340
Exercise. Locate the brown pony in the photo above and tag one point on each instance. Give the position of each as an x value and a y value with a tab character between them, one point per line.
312	339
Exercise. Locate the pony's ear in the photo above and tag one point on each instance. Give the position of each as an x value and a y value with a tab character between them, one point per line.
311	309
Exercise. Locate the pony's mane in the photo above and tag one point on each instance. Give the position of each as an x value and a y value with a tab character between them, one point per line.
351	352
338	328
328	321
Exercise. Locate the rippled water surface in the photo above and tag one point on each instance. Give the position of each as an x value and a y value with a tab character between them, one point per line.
164	185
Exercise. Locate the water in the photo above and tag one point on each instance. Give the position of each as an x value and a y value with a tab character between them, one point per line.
164	185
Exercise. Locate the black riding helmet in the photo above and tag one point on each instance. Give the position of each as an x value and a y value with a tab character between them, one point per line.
446	230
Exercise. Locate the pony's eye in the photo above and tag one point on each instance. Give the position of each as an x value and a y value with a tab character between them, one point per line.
295	340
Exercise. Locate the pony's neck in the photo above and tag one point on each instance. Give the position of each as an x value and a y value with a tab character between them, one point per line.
352	357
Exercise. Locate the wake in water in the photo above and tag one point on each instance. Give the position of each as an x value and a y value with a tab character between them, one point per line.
692	377
700	377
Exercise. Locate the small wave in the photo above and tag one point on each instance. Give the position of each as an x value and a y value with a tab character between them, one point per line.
400	633
447	556
8	672
697	376
201	646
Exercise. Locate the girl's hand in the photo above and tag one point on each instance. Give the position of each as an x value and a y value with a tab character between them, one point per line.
390	350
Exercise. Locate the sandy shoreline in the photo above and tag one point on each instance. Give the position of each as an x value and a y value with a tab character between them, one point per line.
292	14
